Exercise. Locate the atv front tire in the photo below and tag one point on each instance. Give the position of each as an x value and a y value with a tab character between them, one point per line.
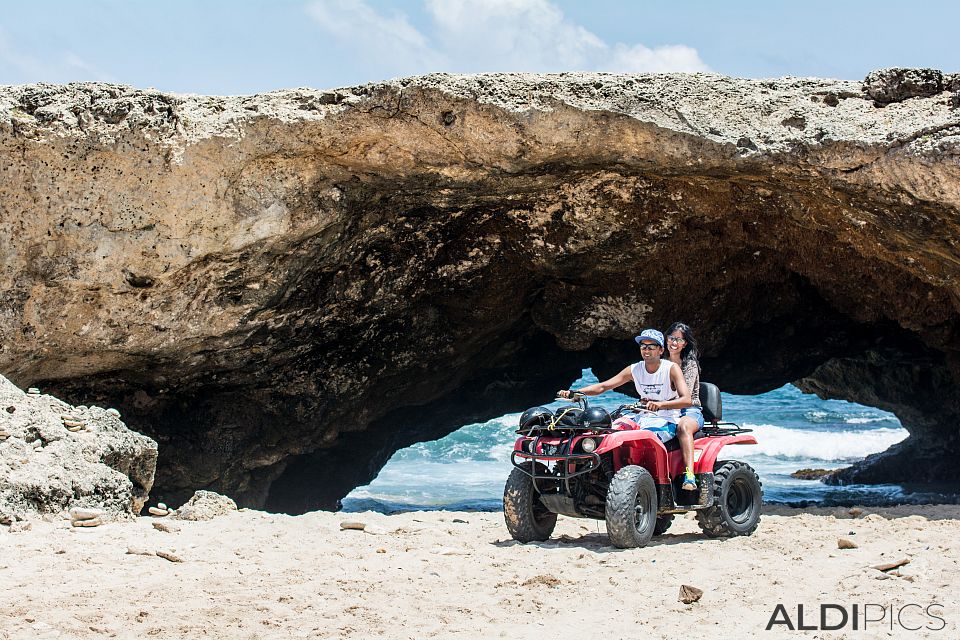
631	511
737	501
526	517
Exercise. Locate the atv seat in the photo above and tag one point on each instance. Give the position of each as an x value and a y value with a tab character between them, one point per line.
710	402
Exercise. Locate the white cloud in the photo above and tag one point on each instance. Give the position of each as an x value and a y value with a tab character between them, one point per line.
639	58
469	36
390	41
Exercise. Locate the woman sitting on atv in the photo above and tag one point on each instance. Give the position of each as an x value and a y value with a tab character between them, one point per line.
662	389
683	351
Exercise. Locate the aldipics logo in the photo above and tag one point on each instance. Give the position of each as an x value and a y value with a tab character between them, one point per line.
860	617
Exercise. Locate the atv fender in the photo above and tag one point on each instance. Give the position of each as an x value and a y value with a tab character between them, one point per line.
709	449
640	447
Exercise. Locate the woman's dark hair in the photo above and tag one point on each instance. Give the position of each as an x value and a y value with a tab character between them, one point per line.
690	348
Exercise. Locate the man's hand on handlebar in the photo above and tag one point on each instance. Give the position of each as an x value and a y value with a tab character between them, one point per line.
566	394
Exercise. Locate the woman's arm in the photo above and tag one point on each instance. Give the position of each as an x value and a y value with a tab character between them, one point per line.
620	379
685	400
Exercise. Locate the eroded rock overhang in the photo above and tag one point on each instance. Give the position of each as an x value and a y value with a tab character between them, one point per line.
282	289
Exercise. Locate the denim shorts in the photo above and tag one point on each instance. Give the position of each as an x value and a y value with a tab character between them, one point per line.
693	412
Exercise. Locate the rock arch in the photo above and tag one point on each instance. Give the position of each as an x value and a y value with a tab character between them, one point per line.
283	289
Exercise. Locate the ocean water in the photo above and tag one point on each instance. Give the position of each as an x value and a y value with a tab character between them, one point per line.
466	470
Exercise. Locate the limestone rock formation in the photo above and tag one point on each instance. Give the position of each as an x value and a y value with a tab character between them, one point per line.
47	468
283	289
206	505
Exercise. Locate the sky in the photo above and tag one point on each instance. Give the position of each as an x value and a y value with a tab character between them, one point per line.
235	47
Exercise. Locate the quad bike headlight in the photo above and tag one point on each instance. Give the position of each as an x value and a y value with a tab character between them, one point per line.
588	445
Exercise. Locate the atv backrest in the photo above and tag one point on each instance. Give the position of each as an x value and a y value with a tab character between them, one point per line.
710	402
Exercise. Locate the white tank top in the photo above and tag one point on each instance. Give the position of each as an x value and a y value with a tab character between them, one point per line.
656	386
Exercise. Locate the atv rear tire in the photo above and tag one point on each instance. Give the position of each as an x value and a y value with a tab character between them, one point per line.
526	517
737	501
663	523
631	511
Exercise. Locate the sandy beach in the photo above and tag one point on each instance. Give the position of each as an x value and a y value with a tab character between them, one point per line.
252	574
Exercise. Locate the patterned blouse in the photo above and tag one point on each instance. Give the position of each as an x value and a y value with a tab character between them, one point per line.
691	373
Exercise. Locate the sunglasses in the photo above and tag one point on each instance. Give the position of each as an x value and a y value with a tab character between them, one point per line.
676	340
648	345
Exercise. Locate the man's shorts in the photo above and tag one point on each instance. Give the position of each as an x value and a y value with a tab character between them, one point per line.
660	427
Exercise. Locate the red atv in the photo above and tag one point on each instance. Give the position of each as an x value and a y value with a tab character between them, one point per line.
577	463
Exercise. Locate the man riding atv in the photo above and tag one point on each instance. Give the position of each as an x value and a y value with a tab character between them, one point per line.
662	389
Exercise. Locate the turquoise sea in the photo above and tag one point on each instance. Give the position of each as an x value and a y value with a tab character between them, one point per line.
466	470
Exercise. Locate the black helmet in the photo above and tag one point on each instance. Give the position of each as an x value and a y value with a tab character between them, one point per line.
570	418
597	418
535	417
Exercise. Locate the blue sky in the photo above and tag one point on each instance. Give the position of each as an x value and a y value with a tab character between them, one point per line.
240	47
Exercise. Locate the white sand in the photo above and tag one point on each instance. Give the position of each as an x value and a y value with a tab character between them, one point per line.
422	575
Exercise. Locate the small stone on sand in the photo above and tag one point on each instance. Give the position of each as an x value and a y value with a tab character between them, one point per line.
163	506
843	543
20	526
84	513
169	555
154	511
887	566
354	526
72	423
166	528
33	391
688	594
139	551
92	522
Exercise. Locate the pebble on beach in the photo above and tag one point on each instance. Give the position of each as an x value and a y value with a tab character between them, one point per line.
140	551
843	543
169	555
92	522
156	511
689	594
166	528
353	526
85	513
